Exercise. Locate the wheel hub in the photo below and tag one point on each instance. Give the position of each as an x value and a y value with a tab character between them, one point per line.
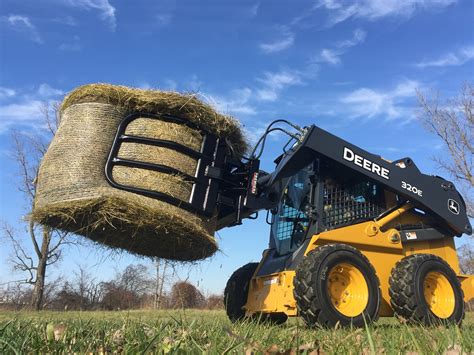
439	294
348	289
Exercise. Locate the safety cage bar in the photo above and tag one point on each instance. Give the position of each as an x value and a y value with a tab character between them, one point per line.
204	188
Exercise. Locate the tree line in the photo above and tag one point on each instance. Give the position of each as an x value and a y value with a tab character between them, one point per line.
132	288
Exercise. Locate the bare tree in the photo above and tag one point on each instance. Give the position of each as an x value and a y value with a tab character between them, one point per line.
453	122
161	266
466	259
42	247
81	293
135	278
215	302
129	288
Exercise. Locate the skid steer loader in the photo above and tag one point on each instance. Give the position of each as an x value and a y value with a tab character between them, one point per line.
352	236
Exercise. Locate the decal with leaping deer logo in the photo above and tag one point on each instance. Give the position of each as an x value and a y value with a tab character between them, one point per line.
453	206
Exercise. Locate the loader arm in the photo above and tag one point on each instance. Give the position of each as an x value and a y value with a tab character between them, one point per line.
428	193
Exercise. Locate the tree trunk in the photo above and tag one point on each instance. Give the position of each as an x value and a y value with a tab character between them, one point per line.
38	290
157	284
160	293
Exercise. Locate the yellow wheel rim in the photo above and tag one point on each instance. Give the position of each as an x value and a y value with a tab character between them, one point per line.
439	294
348	289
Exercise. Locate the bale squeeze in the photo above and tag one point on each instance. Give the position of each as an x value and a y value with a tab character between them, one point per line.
74	195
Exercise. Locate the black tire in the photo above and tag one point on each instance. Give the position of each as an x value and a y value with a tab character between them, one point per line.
313	299
407	287
236	291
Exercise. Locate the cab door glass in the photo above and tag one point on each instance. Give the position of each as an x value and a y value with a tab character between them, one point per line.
290	223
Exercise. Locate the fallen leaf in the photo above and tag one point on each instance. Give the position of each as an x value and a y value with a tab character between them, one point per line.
307	346
274	349
454	350
59	331
118	337
250	350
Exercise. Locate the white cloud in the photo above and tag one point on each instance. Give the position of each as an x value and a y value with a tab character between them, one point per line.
357	37
235	103
274	82
105	9
376	9
6	92
23	24
66	20
332	55
163	19
47	91
167	84
368	103
278	45
19	113
462	56
255	130
253	11
329	56
194	84
20	109
267	94
73	46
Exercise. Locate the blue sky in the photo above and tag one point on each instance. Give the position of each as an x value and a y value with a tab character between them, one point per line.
351	67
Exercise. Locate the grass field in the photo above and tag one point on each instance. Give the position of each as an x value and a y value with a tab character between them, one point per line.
197	331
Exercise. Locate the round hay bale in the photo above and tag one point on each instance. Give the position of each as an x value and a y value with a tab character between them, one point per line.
73	193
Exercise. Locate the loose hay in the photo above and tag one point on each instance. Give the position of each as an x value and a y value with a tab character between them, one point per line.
74	195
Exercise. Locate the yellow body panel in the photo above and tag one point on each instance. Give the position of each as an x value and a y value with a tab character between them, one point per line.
272	294
467	284
378	241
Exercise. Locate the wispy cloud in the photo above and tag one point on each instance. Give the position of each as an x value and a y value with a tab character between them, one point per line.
237	102
46	91
23	24
24	108
253	10
368	103
254	130
195	84
163	20
333	55
6	92
340	11
73	46
274	82
19	113
66	20
460	57
105	9
166	84
280	44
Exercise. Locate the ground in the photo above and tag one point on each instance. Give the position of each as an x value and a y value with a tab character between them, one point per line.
199	331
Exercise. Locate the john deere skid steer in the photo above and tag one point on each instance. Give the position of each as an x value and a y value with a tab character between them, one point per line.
352	236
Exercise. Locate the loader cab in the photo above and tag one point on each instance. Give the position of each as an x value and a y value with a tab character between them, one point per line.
323	197
290	219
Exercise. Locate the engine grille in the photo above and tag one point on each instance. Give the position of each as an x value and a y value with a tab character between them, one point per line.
344	205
